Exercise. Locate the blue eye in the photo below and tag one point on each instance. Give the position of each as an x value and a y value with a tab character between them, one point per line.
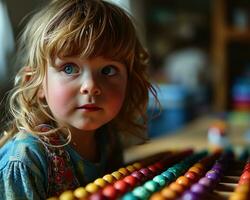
71	69
109	70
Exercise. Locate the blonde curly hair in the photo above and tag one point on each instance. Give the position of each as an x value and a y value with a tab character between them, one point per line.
84	28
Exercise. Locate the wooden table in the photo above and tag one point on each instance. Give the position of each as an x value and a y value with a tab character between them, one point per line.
194	135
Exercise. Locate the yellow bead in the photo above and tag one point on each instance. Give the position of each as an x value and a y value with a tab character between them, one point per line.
117	175
244	188
130	168
199	165
109	178
80	192
137	165
91	188
67	195
100	182
238	196
123	171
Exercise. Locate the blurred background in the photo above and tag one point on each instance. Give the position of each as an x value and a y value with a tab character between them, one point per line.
200	56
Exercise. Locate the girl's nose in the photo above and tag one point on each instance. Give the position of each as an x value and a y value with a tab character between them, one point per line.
90	87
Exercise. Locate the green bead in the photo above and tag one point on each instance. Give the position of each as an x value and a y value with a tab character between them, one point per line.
141	192
129	196
152	186
161	180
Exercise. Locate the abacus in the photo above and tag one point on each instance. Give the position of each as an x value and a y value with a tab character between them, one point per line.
181	175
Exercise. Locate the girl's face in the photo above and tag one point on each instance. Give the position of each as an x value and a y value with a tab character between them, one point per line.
85	94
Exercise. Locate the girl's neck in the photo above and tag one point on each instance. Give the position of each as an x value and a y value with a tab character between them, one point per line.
85	144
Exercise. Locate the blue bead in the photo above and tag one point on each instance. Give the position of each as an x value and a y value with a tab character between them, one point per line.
169	175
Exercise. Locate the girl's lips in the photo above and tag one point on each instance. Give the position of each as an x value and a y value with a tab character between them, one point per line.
89	107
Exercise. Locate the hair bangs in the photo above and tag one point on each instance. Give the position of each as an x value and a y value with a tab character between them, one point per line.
100	32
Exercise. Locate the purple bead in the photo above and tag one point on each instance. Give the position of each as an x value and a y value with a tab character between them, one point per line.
213	175
218	167
208	183
146	172
198	188
188	195
138	175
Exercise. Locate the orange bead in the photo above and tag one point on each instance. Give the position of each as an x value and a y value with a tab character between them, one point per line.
177	187
157	196
184	181
168	193
196	170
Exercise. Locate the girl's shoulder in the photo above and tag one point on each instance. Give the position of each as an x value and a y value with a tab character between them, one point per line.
23	147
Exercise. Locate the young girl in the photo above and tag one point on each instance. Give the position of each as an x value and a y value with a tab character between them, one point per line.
83	82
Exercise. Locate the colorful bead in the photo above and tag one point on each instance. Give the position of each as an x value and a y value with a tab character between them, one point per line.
157	196
177	187
192	176
182	180
117	175
138	175
198	188
123	171
137	165
121	186
161	180
96	196
110	192
141	192
91	188
130	168
168	193
130	196
151	186
169	175
67	195
131	181
100	182
109	178
80	192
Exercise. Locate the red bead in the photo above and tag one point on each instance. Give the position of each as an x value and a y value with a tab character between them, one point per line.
121	186
245	175
131	181
192	176
110	192
97	196
159	165
153	169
